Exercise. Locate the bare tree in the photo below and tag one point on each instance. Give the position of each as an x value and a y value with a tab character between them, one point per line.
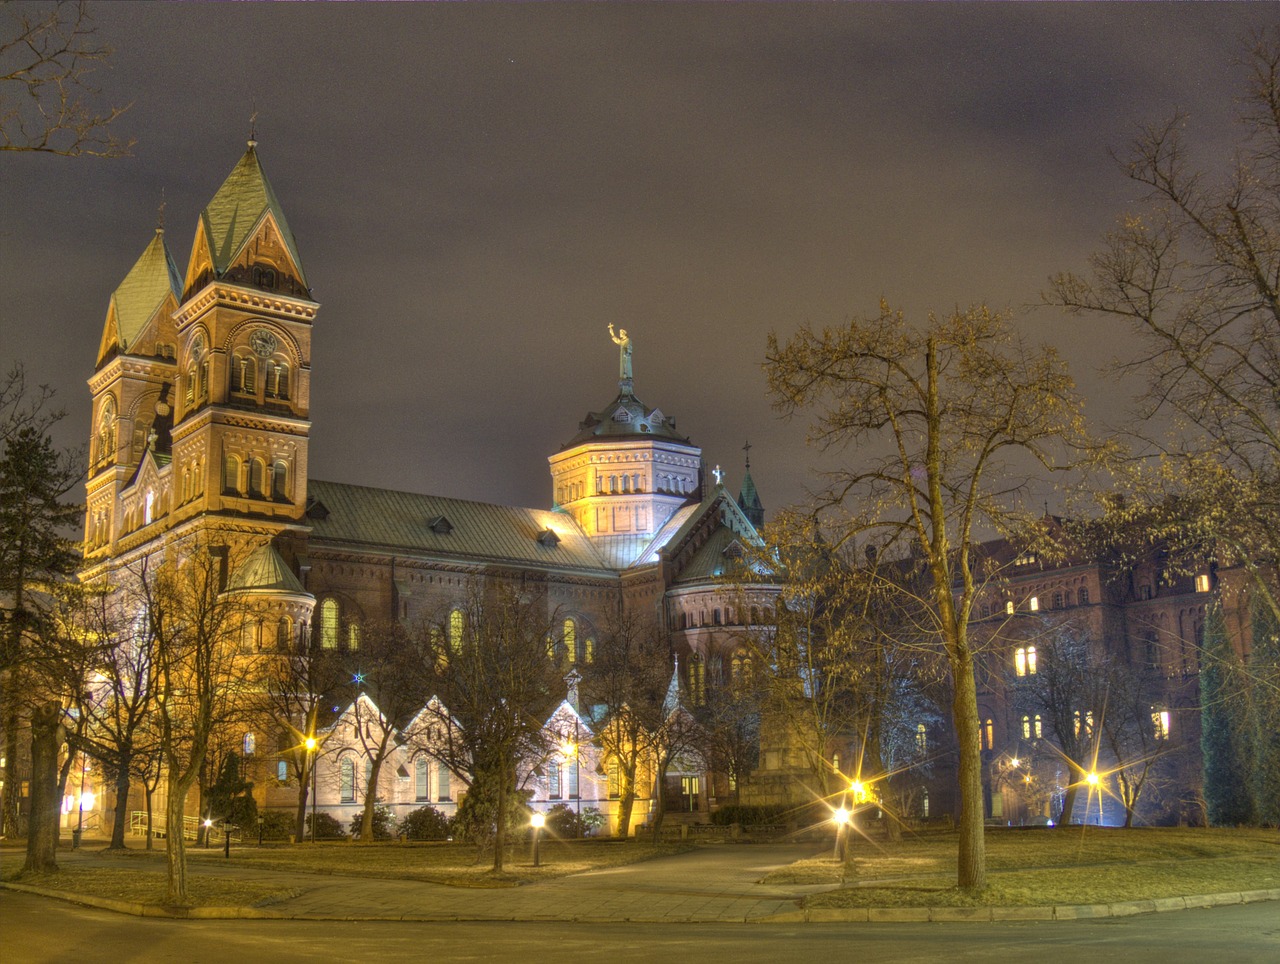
47	53
204	681
496	683
629	676
951	404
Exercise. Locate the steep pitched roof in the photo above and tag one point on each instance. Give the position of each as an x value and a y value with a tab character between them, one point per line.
448	528
151	280
749	501
233	216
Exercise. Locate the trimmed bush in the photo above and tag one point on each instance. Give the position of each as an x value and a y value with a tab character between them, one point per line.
276	824
426	823
750	816
327	827
382	823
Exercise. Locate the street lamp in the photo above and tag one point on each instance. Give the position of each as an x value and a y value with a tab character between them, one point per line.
537	821
208	826
311	746
841	817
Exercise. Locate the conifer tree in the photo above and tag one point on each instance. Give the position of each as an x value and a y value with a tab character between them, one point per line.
1264	666
1223	727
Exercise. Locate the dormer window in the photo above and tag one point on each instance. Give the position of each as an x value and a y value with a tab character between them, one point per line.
264	277
440	525
548	538
622	415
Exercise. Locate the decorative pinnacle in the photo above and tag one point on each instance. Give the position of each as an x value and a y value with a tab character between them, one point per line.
747	448
253	127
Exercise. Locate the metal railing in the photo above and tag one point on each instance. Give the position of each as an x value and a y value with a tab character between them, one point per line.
190	827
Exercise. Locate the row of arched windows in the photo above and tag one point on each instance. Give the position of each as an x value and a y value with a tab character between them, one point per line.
255	479
244	377
261	635
719	617
329	625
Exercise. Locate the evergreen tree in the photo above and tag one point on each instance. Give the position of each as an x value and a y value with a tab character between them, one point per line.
1264	665
1223	726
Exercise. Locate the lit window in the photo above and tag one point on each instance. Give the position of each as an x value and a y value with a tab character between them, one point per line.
989	733
922	738
231	474
284	634
614	786
329	624
570	641
148	508
589	650
1008	608
455	630
353	637
1034	605
282	771
1026	727
698	680
1039	732
1024	661
250	743
1202	582
1160	723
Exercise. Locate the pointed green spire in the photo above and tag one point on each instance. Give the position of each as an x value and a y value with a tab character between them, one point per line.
235	212
152	278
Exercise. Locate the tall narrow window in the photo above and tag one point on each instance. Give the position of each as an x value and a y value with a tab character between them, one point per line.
231	475
588	650
554	788
204	380
443	787
257	483
922	738
284	633
353	637
1160	723
329	624
614	785
1037	728
1083	595
457	623
1026	727
190	395
420	776
570	641
279	481
347	780
989	733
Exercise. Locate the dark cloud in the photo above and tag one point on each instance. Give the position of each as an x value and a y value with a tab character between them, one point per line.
478	189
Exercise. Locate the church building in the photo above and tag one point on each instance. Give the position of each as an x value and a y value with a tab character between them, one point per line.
201	426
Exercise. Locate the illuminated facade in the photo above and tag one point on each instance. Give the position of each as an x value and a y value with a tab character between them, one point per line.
201	422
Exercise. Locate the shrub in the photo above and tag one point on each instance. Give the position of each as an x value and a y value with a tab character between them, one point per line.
426	823
382	823
327	826
592	820
749	816
276	824
564	822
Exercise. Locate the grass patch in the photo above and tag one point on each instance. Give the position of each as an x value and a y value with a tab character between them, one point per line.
146	886
1037	867
449	863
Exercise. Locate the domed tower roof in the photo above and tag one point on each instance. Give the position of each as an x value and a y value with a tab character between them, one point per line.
263	570
626	417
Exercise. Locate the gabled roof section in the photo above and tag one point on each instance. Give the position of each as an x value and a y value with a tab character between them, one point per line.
749	501
265	570
152	280
626	417
478	531
238	211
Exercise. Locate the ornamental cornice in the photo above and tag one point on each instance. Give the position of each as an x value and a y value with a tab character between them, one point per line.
160	369
244	298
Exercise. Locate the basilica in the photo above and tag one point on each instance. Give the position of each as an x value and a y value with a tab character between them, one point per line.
201	424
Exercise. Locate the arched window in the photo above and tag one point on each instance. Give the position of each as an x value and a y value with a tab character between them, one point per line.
554	787
1083	595
1038	730
231	475
190	379
443	789
284	634
1026	727
277	380
244	374
353	637
989	734
570	638
922	738
148	507
456	625
329	624
107	430
279	481
346	780
204	380
257	479
698	679
1024	661
421	779
588	650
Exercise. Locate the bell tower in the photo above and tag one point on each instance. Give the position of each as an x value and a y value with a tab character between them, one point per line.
242	396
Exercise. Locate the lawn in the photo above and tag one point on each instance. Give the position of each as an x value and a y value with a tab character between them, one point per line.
147	884
1036	867
447	863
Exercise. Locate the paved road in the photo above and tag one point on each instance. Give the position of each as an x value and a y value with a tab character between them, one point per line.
35	930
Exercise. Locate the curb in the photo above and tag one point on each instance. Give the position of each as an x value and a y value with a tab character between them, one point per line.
988	915
816	915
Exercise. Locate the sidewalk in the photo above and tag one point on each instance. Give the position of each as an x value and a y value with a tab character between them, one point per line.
711	884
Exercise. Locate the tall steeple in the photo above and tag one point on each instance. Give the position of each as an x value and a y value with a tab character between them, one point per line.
748	498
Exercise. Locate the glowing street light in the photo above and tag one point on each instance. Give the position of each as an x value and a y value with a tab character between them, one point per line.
208	825
537	821
841	817
1091	778
312	745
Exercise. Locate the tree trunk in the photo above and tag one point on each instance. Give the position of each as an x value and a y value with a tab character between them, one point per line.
370	799
122	803
1069	798
150	829
626	801
660	800
9	818
175	843
304	796
500	834
47	736
972	864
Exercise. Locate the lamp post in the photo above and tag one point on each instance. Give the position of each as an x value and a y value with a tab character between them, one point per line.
841	817
208	826
75	840
537	821
311	746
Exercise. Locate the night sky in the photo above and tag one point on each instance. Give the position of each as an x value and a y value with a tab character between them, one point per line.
478	190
